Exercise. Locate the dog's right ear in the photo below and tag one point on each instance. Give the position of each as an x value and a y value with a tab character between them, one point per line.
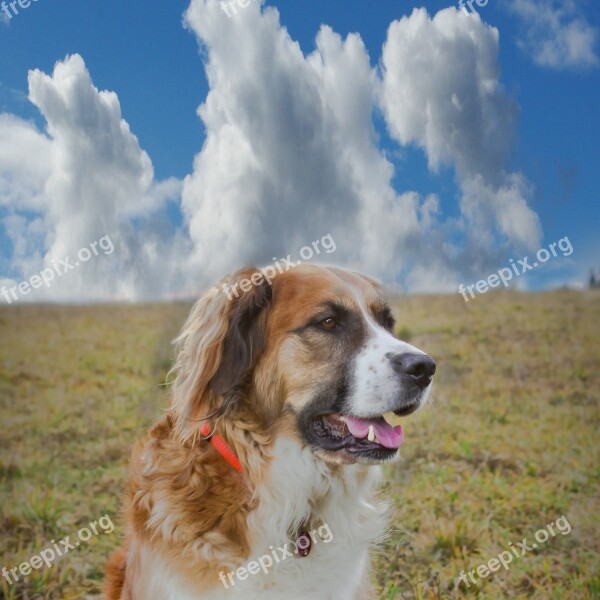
217	350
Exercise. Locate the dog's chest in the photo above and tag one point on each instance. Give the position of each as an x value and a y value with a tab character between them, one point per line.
338	514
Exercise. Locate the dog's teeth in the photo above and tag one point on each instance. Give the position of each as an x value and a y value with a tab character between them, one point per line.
371	436
342	418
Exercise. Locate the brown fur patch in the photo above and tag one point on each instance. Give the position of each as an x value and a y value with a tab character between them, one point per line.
115	576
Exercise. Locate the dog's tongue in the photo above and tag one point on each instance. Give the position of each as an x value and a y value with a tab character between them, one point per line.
386	435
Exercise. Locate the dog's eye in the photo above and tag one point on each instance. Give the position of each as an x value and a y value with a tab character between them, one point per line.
329	323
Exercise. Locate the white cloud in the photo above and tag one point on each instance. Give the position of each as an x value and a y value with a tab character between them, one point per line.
291	147
556	34
290	154
291	151
86	177
441	91
25	163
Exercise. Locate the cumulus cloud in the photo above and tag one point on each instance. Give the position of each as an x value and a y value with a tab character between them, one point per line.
441	91
291	146
85	177
556	34
291	153
25	163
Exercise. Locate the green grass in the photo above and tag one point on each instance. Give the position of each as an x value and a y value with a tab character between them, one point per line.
508	444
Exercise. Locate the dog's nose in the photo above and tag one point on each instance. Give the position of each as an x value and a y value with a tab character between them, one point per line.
419	367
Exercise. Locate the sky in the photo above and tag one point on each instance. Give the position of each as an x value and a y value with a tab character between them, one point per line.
147	149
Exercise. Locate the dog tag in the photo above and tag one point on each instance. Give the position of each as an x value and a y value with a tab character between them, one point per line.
303	543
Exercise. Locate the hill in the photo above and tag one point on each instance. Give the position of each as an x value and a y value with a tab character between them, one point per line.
508	444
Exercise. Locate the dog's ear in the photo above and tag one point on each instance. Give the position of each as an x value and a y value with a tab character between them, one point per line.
217	350
244	342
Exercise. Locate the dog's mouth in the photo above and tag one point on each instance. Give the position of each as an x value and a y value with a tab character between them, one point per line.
372	438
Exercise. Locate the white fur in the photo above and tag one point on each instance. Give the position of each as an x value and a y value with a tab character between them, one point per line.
301	487
375	383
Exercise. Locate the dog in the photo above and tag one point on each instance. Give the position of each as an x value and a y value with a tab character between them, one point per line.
275	429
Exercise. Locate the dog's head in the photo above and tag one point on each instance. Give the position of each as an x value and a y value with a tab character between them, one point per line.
316	347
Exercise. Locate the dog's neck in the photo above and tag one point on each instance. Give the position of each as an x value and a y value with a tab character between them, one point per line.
301	492
291	489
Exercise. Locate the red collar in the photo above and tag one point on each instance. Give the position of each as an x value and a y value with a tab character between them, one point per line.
221	446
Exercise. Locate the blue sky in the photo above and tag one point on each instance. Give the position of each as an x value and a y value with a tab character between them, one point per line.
142	52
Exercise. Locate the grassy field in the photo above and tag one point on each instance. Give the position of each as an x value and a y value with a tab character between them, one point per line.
508	445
